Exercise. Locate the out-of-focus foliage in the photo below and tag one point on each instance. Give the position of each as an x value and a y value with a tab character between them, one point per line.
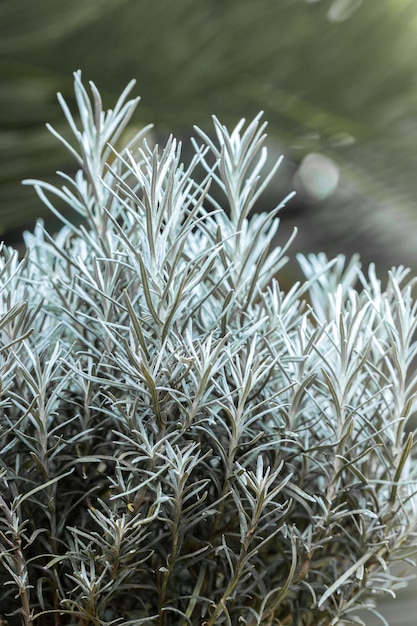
333	76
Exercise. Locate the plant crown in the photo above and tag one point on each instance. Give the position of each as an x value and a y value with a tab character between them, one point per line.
183	442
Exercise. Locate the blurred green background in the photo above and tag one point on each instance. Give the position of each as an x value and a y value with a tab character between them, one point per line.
337	80
335	77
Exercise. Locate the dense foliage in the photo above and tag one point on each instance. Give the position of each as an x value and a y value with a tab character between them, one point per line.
181	441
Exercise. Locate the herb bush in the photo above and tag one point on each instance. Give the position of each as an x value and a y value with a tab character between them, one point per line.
181	441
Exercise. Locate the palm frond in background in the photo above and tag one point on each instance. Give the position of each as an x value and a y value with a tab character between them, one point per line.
331	79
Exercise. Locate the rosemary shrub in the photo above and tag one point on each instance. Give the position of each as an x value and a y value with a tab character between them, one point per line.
181	441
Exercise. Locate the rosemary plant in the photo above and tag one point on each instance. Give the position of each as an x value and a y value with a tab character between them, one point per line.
181	441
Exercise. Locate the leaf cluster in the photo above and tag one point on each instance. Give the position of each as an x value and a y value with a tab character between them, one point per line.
181	440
